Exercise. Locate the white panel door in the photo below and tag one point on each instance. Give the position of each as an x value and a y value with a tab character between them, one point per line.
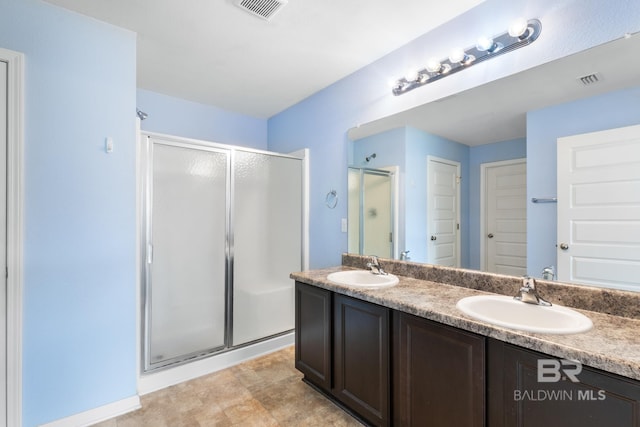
3	242
443	212
505	227
599	208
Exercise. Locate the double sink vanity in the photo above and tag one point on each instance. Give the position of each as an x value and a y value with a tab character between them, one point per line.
426	345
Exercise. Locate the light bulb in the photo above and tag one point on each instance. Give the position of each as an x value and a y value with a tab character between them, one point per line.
518	28
412	75
484	43
433	65
457	55
394	84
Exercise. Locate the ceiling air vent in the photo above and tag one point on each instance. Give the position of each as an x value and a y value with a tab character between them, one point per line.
590	79
265	9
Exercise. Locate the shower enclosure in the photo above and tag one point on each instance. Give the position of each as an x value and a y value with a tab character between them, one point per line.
223	230
371	212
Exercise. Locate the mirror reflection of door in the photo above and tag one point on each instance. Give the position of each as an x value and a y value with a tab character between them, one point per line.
599	208
443	212
504	214
370	211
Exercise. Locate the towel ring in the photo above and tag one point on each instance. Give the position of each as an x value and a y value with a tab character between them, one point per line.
332	199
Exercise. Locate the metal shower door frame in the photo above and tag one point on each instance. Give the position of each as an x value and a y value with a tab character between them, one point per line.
146	245
147	251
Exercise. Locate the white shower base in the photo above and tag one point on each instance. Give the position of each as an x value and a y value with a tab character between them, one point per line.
148	383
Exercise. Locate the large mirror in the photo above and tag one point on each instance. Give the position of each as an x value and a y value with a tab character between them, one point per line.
478	170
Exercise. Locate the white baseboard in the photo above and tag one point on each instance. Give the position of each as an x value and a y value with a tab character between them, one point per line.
99	414
148	383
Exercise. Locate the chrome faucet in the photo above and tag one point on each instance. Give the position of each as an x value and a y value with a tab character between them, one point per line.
529	294
375	267
548	273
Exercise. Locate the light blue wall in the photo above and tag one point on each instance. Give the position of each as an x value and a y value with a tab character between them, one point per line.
79	342
174	116
506	150
321	121
544	127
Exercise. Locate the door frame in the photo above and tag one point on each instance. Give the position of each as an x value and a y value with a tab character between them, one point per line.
483	202
15	197
458	167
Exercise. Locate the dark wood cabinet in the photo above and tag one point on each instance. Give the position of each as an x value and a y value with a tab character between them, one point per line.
343	349
361	351
439	374
313	334
391	368
517	397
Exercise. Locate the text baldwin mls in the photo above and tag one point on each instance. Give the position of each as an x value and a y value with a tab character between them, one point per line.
556	395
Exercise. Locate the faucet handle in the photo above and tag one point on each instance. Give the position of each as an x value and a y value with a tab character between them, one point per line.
529	294
528	282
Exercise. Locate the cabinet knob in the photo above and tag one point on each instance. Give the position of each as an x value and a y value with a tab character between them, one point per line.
564	246
433	237
490	235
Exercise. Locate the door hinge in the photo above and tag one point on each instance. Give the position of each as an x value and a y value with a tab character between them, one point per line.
391	237
458	179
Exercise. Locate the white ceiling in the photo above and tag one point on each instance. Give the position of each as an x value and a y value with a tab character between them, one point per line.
497	111
212	52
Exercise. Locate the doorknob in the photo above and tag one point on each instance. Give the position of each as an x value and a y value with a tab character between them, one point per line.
490	235
433	237
564	246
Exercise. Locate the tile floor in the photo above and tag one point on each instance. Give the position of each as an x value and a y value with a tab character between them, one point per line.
266	391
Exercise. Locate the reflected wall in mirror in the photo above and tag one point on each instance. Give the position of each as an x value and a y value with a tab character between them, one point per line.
519	117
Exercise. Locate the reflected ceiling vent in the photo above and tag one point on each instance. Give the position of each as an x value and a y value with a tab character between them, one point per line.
590	79
265	9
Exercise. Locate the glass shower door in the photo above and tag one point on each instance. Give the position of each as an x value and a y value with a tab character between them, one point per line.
267	224
186	256
370	212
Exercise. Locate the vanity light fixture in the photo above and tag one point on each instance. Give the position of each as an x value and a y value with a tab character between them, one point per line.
521	33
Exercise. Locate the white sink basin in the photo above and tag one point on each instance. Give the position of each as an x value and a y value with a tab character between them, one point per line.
363	279
505	311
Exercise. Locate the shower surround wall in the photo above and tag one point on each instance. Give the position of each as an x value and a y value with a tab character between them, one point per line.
223	230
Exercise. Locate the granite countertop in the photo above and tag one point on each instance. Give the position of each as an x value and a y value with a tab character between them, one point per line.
612	345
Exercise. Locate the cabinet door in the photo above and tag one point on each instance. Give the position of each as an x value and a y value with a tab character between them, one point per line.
439	374
361	358
518	398
313	334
